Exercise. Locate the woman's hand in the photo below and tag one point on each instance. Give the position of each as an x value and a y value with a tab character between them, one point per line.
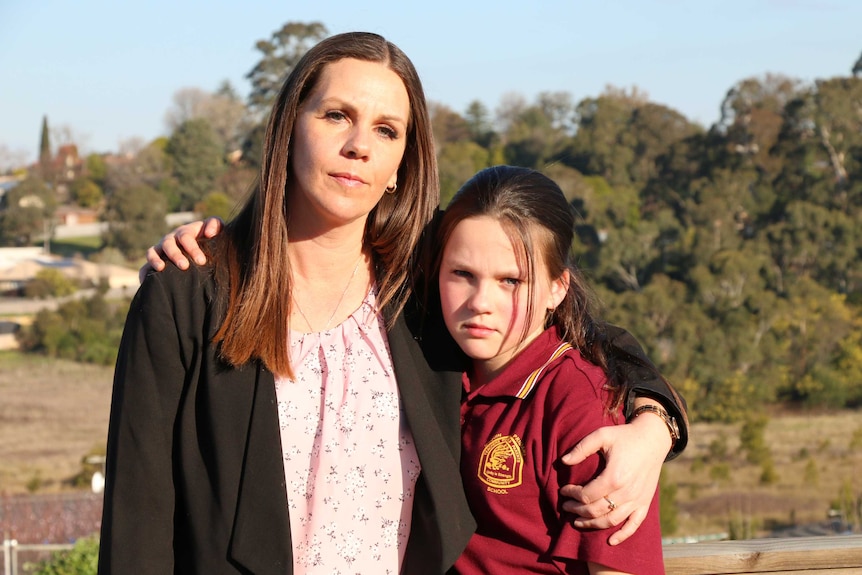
622	493
180	244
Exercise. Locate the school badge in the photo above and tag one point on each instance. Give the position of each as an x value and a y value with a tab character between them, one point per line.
501	465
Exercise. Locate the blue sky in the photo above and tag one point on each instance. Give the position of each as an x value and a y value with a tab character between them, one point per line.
107	69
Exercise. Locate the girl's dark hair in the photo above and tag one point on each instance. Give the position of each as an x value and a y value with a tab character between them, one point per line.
252	264
538	219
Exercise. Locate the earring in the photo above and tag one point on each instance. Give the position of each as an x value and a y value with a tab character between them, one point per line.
391	189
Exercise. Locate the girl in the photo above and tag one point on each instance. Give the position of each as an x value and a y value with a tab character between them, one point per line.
538	382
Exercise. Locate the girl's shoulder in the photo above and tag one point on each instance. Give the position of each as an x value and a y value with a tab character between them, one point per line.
571	373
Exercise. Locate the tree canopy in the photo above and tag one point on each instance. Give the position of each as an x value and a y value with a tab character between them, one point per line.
732	251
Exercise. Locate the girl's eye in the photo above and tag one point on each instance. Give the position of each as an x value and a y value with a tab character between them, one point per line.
512	281
462	274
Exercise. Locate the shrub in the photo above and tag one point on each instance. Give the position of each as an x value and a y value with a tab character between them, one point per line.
667	506
752	439
82	559
81	330
812	474
720	472
49	282
718	448
768	474
856	439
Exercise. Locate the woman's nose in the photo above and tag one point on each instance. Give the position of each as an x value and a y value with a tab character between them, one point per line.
357	145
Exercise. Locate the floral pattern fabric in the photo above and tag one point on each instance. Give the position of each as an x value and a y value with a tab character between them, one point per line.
350	465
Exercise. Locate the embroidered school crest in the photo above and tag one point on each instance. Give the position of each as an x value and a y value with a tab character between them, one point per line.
501	465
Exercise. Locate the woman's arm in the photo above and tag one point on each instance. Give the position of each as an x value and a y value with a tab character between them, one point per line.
644	382
634	452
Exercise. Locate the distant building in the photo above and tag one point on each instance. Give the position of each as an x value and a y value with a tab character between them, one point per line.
75	216
8	329
67	164
20	265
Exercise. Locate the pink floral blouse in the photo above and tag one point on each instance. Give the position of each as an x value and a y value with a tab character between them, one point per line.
350	465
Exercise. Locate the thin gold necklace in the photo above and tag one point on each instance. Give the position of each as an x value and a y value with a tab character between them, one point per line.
340	300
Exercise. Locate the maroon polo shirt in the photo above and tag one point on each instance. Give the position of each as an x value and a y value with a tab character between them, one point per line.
514	430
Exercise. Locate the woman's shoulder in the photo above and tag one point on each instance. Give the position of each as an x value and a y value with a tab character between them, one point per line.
196	282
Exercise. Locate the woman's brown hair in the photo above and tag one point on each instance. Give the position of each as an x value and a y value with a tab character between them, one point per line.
252	263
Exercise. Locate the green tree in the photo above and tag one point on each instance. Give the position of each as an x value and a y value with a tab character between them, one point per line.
479	124
216	204
86	193
597	148
223	109
448	126
536	134
752	117
197	160
28	212
135	218
458	162
96	168
45	155
149	167
279	54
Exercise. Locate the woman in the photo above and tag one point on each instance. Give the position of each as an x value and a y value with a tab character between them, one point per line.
214	463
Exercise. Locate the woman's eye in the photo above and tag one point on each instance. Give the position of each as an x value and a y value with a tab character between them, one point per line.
335	115
388	132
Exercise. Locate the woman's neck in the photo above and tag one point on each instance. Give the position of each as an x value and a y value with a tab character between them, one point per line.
330	277
318	259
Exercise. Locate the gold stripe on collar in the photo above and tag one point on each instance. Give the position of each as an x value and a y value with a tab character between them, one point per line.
530	383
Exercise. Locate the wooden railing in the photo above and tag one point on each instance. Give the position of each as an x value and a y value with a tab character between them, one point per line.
827	555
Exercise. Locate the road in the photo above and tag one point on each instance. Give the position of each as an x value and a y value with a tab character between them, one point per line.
10	306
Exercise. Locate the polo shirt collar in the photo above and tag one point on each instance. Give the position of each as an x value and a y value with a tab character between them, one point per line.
520	377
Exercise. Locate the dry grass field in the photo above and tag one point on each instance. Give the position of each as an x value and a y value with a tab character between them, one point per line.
54	412
815	456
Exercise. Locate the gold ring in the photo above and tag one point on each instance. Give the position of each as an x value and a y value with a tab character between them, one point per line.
611	504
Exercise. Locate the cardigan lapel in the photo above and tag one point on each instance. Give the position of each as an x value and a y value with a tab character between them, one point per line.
261	533
442	523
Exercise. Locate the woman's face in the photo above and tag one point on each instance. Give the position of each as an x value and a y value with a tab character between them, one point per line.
348	141
483	293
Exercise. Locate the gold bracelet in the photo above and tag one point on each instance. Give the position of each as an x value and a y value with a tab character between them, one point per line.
669	420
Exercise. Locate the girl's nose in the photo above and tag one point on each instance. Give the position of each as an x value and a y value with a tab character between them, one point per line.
479	300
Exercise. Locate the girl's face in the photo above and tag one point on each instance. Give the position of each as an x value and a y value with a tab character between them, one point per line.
484	292
347	143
